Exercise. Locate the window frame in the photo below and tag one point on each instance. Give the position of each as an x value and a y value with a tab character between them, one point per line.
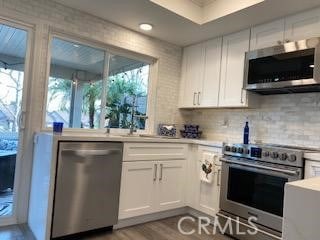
108	49
20	198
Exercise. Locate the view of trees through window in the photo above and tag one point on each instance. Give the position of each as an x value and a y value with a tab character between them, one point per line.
89	88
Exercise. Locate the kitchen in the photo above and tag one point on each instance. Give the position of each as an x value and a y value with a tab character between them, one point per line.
73	45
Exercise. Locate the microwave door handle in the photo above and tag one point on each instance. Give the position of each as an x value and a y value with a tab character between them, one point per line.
288	172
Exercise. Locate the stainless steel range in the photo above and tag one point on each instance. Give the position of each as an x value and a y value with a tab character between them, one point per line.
252	184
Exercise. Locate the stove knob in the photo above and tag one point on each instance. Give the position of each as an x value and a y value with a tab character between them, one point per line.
292	158
274	155
234	149
227	148
240	150
266	154
283	156
246	151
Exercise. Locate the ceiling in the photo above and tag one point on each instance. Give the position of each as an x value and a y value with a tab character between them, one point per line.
64	54
179	30
202	3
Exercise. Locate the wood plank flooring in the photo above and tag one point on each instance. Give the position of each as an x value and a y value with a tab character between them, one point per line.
166	229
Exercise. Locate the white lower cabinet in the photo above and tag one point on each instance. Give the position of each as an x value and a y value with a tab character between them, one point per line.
204	196
138	187
157	183
149	187
171	185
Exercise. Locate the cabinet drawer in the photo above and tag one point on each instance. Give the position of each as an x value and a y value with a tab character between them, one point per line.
154	151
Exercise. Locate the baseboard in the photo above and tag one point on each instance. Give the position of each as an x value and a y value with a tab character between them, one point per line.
150	217
197	214
161	215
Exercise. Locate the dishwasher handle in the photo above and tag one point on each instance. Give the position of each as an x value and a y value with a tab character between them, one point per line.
90	153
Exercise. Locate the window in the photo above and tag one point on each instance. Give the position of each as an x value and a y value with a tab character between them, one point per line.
92	88
127	86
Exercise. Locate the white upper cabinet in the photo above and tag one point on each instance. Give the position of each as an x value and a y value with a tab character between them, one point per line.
209	93
201	75
267	35
302	26
297	27
192	75
232	70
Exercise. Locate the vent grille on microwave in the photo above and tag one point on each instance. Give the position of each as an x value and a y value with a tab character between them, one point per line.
287	90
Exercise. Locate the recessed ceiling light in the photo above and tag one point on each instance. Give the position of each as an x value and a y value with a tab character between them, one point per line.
76	45
146	26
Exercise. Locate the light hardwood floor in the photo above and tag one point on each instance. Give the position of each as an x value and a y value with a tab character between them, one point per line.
166	229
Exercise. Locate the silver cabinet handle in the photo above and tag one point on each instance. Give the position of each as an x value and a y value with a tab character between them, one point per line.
161	167
219	177
199	98
194	98
155	172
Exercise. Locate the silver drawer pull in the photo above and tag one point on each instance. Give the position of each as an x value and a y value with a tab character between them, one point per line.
161	167
155	172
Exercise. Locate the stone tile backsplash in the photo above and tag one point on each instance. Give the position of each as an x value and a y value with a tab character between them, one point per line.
290	119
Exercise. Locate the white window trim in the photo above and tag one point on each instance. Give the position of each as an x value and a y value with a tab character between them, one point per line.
152	83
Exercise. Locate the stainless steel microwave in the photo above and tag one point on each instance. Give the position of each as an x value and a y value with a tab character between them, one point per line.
293	67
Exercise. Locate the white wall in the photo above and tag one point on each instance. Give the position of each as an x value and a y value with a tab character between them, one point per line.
45	15
290	119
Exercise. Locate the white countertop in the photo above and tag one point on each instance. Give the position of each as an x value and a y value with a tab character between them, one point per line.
310	184
136	138
301	210
313	156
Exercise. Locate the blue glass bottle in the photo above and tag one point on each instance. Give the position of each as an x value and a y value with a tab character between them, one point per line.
246	134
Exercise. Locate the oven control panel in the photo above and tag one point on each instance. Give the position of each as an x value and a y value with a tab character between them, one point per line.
265	153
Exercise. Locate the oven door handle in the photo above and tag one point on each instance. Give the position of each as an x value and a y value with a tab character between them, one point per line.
289	172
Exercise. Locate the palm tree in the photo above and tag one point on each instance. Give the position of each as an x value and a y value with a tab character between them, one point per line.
59	87
121	88
92	92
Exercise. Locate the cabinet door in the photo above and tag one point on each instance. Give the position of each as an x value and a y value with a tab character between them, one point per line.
312	169
192	75
302	26
171	186
232	69
209	94
209	193
138	188
267	35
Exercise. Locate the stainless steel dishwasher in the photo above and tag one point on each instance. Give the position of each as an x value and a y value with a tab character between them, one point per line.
87	187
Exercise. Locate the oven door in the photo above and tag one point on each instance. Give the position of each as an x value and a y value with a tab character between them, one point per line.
251	189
